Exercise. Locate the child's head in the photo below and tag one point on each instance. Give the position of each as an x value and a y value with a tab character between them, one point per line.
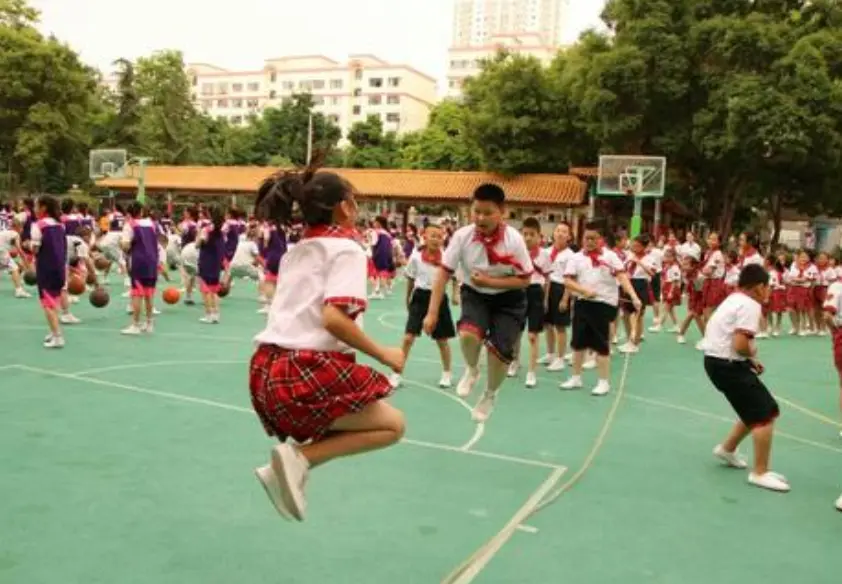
190	213
84	231
561	234
769	262
487	206
83	208
592	236
782	258
748	241
433	237
67	205
689	262
322	198
713	240
381	222
754	281
134	210
732	258
669	255
638	245
803	257
531	231
822	259
48	206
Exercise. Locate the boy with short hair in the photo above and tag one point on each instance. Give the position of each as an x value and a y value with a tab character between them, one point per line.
731	365
495	267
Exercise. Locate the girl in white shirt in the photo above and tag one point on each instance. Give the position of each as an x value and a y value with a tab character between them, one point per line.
802	276
304	380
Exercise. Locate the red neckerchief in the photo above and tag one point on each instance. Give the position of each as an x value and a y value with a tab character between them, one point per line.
430	257
534	251
708	253
554	252
595	256
751	251
621	253
329	231
635	261
490	242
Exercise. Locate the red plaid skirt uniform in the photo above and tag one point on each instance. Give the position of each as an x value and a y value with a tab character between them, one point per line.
819	295
800	298
778	301
836	336
713	292
299	394
671	293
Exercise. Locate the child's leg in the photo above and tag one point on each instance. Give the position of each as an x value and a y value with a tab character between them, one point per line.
762	437
471	346
445	355
150	308
738	433
682	330
700	322
670	310
533	352
560	341
637	321
406	347
52	321
550	331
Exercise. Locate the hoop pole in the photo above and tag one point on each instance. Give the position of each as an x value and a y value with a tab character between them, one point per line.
141	181
657	217
637	219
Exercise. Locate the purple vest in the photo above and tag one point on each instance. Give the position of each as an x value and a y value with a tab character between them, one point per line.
143	254
51	261
275	250
115	221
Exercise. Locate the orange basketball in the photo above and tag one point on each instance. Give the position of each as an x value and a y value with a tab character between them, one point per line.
76	286
223	290
99	298
171	295
102	263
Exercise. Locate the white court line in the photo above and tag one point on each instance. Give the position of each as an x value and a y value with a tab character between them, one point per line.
86	328
233	408
12	366
478	433
527	528
489	551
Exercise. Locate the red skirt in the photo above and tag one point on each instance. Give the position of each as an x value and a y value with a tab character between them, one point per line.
819	295
777	301
837	348
800	298
713	292
300	394
372	271
695	301
671	294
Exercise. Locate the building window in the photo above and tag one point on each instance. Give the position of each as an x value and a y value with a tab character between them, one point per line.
358	74
358	92
222	103
318	100
374	100
273	94
336	84
237	87
236	103
357	110
334	101
318	83
305	85
221	88
252	103
394	81
394	118
194	80
207	88
393	99
375	82
254	86
273	77
287	85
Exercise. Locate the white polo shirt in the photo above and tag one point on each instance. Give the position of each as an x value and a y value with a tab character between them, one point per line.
558	260
543	267
601	278
752	258
714	261
420	272
319	271
466	254
690	249
737	313
656	258
246	252
833	302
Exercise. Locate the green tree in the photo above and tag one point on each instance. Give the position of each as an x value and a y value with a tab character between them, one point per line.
283	131
371	147
444	144
126	122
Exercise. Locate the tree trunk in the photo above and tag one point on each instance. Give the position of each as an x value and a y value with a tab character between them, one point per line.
776	207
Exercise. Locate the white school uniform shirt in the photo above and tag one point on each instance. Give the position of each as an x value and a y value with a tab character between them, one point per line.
246	252
737	313
811	273
656	259
833	303
319	271
838	272
602	279
776	280
673	274
543	267
689	249
9	240
637	266
715	260
732	275
827	276
420	272
559	263
77	249
753	258
465	254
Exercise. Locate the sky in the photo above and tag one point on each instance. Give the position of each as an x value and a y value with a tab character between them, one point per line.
241	34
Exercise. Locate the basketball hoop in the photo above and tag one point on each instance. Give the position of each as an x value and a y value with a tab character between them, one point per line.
629	192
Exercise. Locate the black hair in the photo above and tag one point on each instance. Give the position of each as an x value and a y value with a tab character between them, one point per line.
381	221
532	223
642	240
595	226
135	209
752	239
83	208
192	211
29	204
67	205
312	194
50	205
217	218
753	275
733	256
491	193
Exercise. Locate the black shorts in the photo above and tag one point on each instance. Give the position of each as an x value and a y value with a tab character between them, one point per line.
496	318
534	322
644	292
744	390
656	287
418	305
591	326
556	316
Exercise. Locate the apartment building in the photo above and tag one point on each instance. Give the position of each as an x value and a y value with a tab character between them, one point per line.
344	92
482	27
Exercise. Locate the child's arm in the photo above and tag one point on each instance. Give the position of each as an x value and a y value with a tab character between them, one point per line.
501	283
625	283
410	286
341	326
571	285
436	297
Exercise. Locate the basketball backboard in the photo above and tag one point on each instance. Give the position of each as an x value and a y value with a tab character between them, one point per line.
638	176
107	163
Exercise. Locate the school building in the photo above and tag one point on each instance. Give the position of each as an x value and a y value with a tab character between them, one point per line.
403	195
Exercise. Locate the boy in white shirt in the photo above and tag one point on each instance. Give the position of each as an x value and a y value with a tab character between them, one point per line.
731	365
246	258
558	301
495	267
10	248
833	317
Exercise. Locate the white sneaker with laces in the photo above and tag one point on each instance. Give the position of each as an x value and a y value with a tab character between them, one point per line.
446	380
770	480
681	340
839	503
545	359
575	382
602	388
466	384
291	469
131	330
513	367
54	343
485	406
531	380
629	348
148	327
732	459
21	293
68	318
270	483
557	365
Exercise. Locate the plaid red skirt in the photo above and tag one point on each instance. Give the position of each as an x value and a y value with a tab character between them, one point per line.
299	394
819	295
671	294
837	348
695	301
800	298
713	291
777	301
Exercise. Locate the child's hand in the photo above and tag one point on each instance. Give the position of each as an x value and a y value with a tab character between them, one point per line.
588	293
479	279
430	322
393	358
757	366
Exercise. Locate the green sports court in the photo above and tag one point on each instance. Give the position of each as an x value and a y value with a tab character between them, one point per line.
130	460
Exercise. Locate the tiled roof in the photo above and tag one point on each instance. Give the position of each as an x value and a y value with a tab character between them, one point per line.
585	171
422	185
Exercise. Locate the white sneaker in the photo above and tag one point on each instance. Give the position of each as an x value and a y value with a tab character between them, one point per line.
466	384
629	348
771	481
395	380
673	329
557	365
485	405
446	380
54	342
655	328
68	319
21	293
131	330
531	380
148	327
839	503
575	382
291	470
264	310
546	359
271	485
602	388
513	367
700	346
732	459
681	340
568	358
